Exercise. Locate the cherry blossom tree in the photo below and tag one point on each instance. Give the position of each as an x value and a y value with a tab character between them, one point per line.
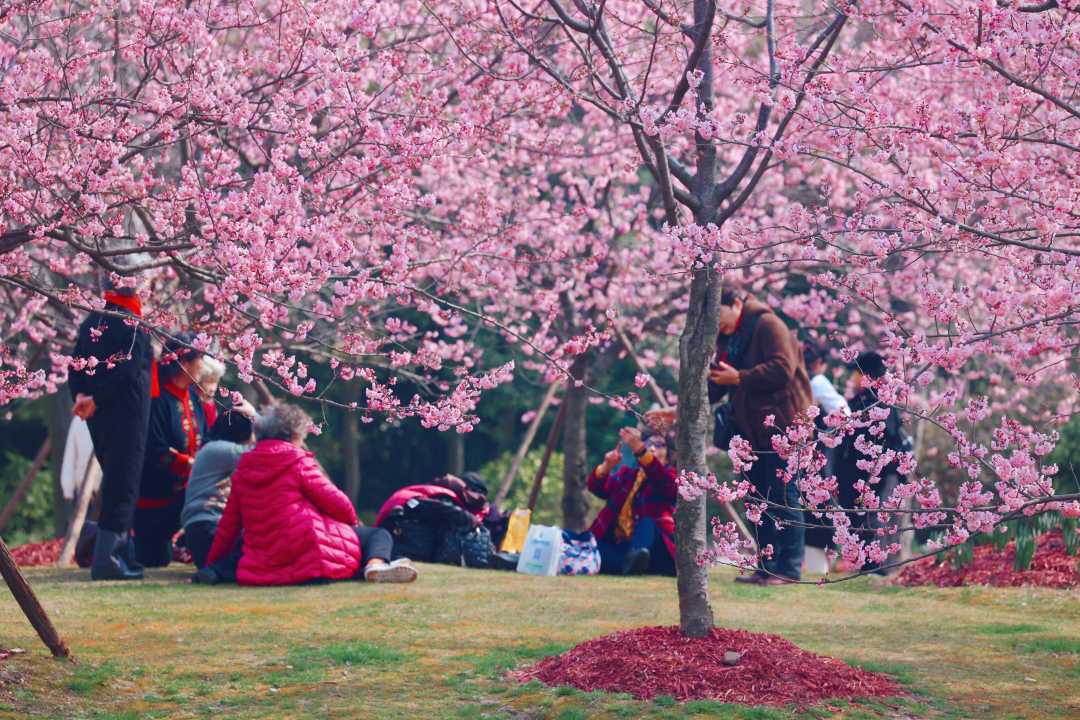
914	161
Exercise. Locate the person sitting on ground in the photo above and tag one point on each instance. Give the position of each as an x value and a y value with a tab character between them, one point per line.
208	487
212	372
176	432
635	531
297	526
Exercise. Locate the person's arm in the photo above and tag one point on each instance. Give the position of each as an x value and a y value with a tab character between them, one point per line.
598	481
778	367
826	396
323	494
228	530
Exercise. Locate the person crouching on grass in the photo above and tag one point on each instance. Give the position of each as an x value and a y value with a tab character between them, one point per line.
297	526
635	531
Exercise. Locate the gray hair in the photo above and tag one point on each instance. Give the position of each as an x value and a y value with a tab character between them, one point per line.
282	422
212	369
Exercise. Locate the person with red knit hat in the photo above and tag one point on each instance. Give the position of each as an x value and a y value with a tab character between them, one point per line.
110	384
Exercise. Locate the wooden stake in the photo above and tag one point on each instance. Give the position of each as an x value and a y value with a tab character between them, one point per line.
526	443
662	400
552	438
78	518
24	485
24	595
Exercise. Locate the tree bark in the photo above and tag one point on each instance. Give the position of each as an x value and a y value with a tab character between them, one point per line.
59	421
549	446
456	459
526	443
24	595
575	504
350	449
695	350
24	485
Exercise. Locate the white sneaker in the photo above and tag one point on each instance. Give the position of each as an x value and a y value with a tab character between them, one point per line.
398	571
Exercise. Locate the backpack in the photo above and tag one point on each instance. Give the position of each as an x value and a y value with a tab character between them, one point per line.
465	547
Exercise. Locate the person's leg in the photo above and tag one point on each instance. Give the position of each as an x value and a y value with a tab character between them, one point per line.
765	531
199	536
661	562
376	548
153	536
788	541
117	499
375	543
612	556
639	553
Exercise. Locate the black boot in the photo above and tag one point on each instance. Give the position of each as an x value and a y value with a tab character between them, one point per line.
108	561
127	552
636	562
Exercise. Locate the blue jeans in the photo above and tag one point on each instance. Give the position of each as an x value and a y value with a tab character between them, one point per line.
789	543
645	535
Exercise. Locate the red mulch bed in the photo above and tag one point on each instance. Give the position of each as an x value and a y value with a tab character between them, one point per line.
655	661
46	552
1050	567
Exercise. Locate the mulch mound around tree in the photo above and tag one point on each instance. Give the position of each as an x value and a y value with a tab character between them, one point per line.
46	552
659	661
1051	566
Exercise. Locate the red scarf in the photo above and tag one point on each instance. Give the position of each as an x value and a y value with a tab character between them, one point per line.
131	303
723	355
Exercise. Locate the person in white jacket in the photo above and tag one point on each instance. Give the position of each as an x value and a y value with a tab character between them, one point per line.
78	457
825	395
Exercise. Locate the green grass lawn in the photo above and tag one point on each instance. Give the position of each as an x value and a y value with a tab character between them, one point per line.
438	648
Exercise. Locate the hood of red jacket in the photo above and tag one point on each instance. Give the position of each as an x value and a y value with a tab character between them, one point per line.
270	459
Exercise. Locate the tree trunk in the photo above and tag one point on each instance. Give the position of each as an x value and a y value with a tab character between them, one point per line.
24	485
350	449
59	420
83	494
456	459
24	595
575	503
696	346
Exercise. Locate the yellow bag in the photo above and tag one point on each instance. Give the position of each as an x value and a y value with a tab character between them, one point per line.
516	531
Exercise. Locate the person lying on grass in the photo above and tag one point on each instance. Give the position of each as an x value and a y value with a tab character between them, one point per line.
635	531
297	526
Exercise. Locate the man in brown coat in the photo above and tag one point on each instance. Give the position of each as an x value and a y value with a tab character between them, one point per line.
760	366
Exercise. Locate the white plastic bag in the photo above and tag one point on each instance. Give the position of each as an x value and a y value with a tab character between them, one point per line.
543	549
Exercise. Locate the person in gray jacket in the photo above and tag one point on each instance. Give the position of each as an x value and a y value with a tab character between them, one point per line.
208	486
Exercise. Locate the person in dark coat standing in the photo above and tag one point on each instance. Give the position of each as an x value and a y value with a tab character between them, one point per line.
176	431
868	367
759	366
112	394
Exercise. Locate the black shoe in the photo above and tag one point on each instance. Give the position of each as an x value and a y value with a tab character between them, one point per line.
206	576
754	578
127	552
108	561
636	562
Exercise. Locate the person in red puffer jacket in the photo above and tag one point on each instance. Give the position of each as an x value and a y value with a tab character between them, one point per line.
297	526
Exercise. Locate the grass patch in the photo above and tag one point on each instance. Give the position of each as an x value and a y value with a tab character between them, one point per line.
89	677
438	648
1051	645
496	662
1006	629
